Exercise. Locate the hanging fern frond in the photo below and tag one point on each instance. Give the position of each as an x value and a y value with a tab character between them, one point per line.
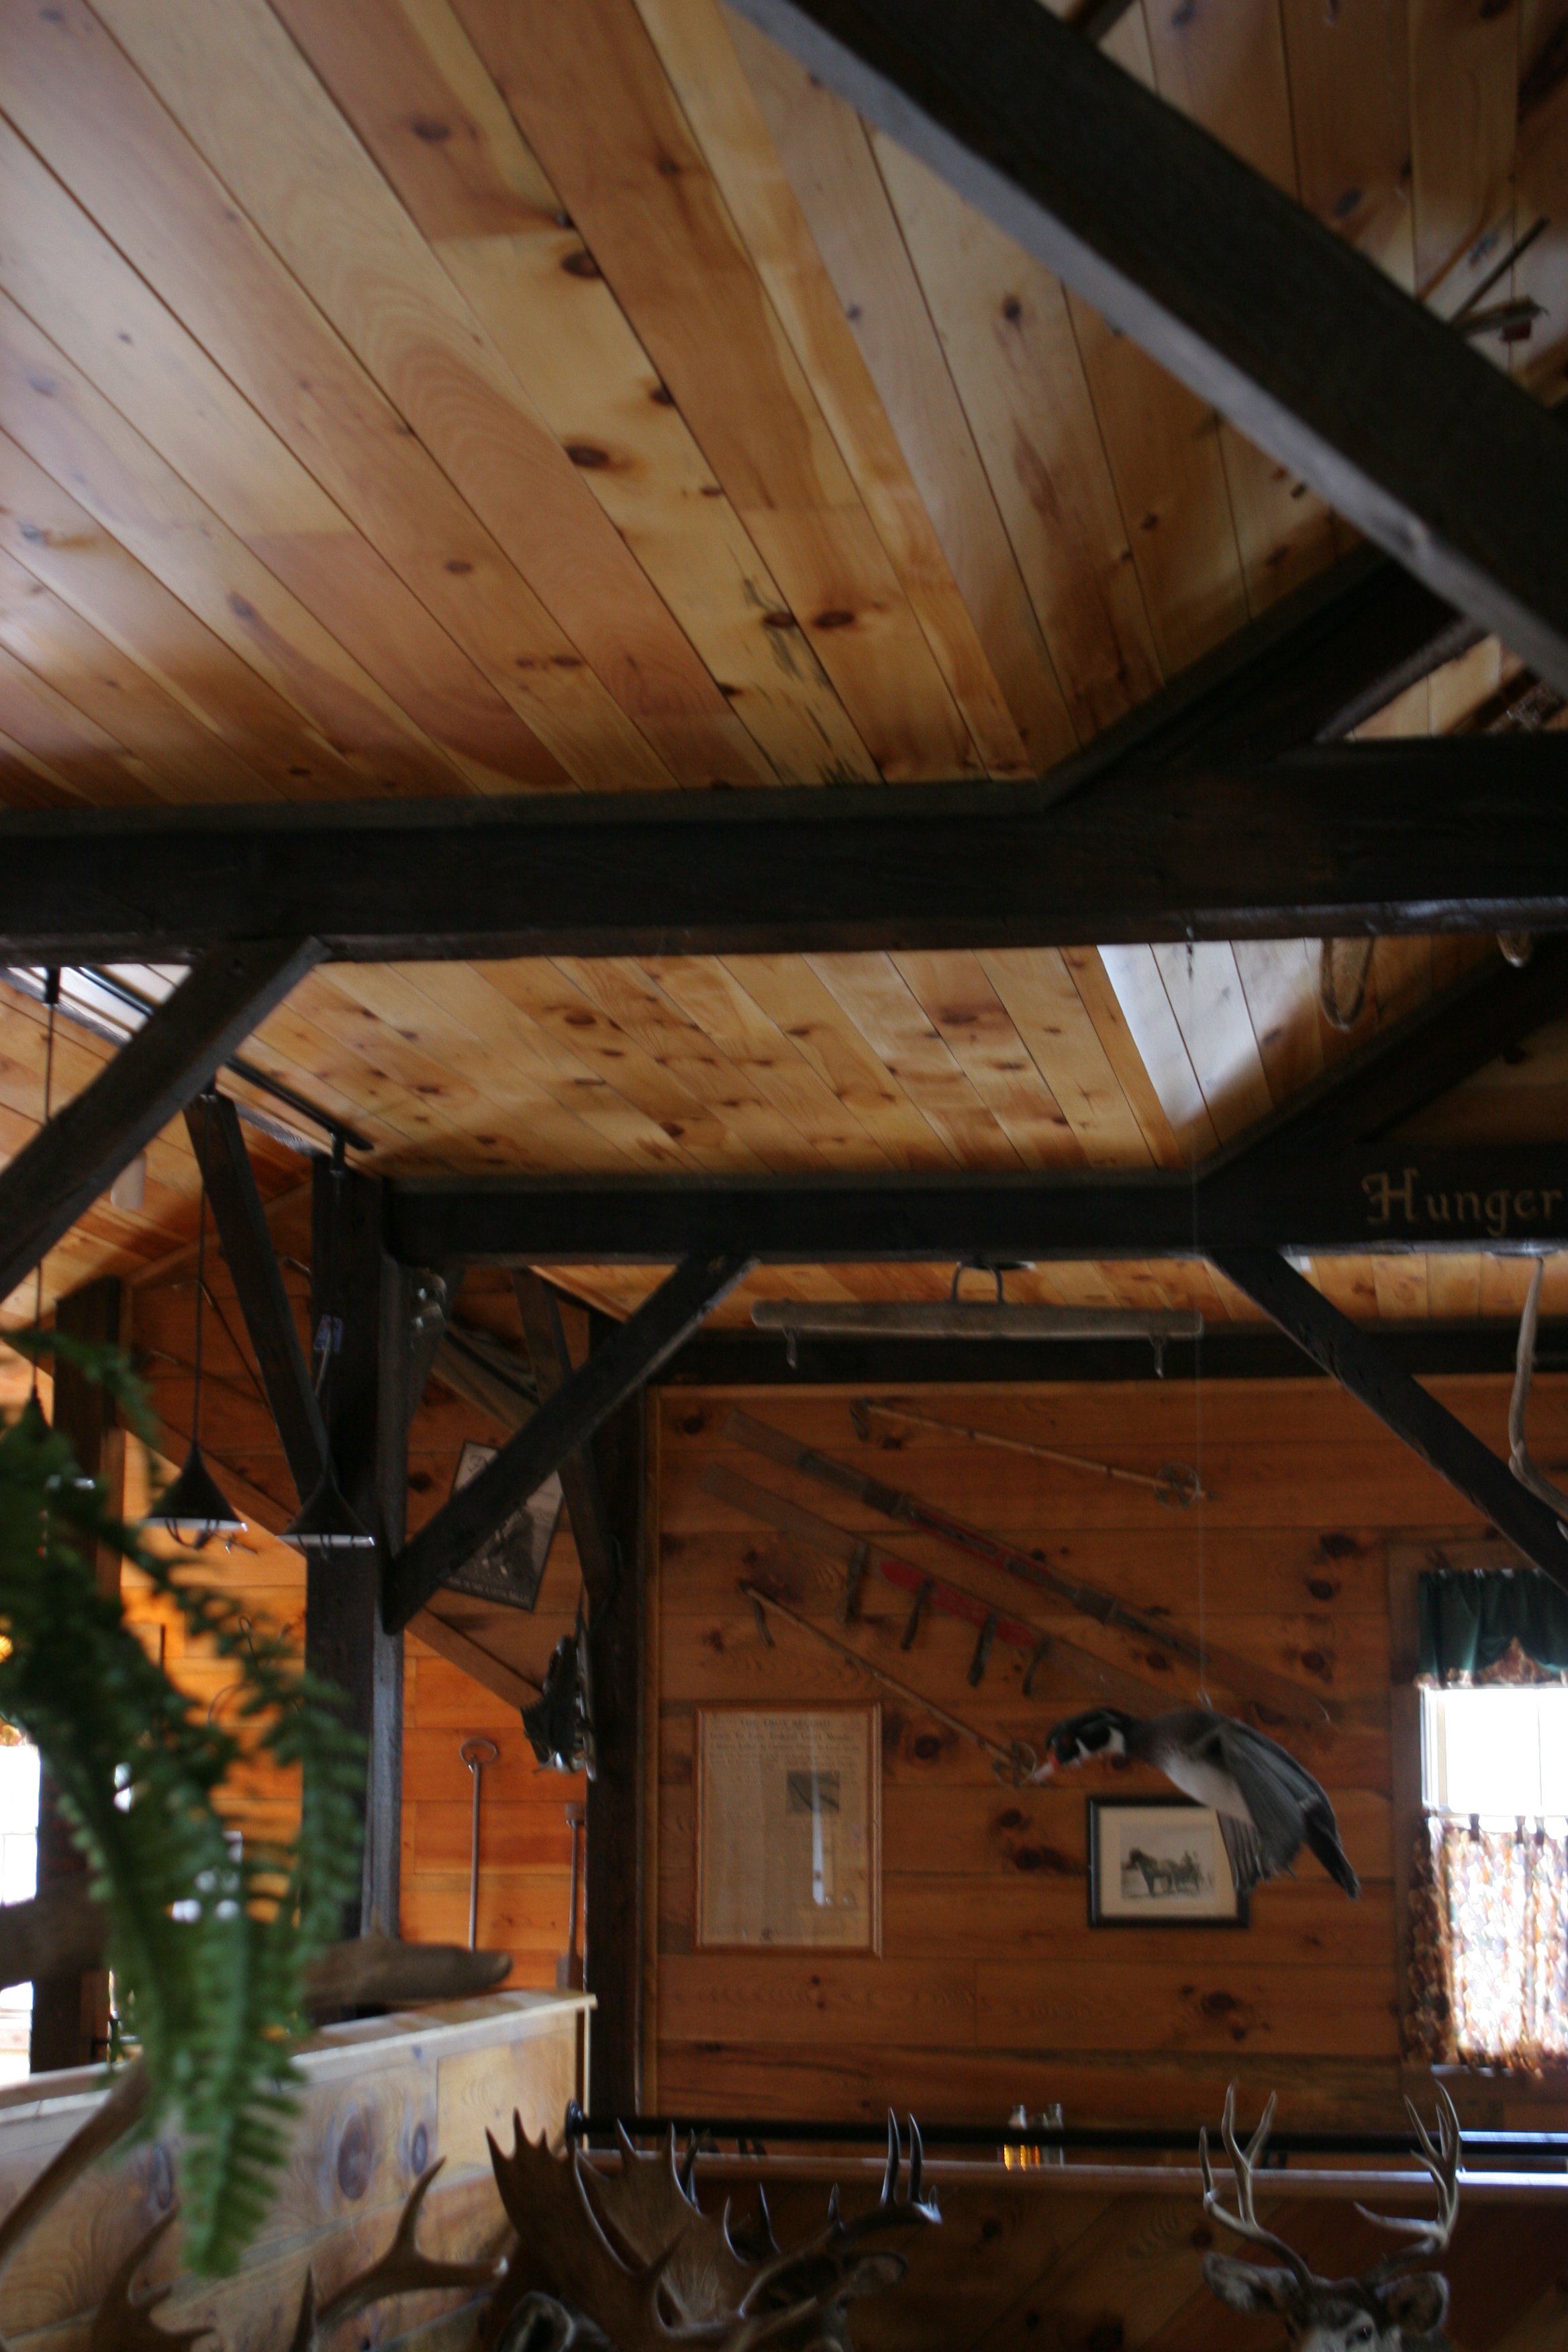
207	1942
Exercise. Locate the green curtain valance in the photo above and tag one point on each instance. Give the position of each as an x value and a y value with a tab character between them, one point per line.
1470	1616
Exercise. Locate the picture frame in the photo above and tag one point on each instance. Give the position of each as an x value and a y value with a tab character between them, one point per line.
508	1568
788	1829
1159	1862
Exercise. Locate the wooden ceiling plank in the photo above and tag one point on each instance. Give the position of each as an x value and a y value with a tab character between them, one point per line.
790	995
51	536
632	998
591	97
707	992
826	153
1364	394
1453	1285
1210	1005
1008	340
69	430
1350	104
876	998
560	1007
87	112
321	204
1400	1284
1098	995
1280	980
573	1096
955	993
69	280
1164	445
1045	1005
73	747
1464	104
1225	69
1156	1036
480	197
181	759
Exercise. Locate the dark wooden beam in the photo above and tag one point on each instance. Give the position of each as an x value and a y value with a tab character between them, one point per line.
544	1331
615	1861
1355	1358
69	1162
631	1354
344	1639
1227	1351
1464	834
70	2005
1255	306
1383	1197
212	1125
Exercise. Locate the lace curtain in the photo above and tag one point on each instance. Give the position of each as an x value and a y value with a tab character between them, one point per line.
1490	1944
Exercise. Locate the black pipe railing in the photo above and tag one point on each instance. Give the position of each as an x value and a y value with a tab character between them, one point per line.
1484	2151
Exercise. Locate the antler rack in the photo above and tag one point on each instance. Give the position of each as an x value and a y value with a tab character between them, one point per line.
1244	2222
1440	2158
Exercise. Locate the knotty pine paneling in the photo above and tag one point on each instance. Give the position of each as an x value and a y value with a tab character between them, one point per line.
991	1987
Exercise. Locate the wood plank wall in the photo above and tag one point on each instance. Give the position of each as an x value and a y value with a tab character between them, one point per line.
991	1987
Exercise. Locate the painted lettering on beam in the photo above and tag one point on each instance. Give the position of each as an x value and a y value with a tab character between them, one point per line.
1398	1202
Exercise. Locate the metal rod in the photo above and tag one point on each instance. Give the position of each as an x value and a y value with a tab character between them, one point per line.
476	1754
1176	1484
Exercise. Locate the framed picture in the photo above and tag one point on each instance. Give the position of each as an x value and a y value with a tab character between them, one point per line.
1159	1862
789	1829
510	1567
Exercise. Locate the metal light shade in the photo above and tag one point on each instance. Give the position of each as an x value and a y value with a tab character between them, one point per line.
325	1521
195	1508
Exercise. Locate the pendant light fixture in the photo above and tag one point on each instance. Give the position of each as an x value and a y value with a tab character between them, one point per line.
326	1526
195	1508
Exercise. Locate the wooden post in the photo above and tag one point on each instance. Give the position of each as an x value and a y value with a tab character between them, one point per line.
70	2009
614	1869
345	1642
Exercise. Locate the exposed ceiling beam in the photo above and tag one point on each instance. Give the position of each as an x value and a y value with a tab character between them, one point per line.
1392	1197
1464	834
1356	1359
81	1151
213	1126
1229	283
545	1335
564	1422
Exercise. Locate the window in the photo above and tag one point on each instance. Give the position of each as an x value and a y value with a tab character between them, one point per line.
1494	1766
18	1880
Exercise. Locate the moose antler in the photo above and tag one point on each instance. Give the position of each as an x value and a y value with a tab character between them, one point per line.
1528	1472
1244	2222
1441	2160
404	2268
124	2321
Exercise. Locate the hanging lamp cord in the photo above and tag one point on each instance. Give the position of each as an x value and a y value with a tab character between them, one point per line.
51	998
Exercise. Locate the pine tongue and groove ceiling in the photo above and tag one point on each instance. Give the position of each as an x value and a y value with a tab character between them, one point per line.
450	396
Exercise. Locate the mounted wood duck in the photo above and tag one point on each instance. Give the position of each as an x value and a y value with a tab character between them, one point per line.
1268	1805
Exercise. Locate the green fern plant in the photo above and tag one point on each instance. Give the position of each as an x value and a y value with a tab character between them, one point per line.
207	1945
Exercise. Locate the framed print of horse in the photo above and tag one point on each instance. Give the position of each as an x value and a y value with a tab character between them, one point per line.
1159	1862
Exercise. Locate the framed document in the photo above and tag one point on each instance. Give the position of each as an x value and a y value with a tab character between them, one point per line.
789	1828
1159	1862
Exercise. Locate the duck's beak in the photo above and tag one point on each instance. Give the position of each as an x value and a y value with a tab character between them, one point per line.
1045	1770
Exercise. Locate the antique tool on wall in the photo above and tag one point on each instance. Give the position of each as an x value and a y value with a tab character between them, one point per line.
1251	1684
560	1723
1016	1761
476	1754
861	1557
1175	1483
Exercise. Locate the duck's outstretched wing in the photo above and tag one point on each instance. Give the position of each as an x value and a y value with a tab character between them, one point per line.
1289	1808
1241	1852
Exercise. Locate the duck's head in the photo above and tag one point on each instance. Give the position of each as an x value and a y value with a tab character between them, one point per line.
1102	1732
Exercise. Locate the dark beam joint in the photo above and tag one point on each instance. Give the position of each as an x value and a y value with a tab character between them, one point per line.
1229	283
1355	1357
584	1498
77	1157
631	1355
212	1125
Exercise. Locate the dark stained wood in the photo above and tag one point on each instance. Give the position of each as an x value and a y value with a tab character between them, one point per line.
214	1128
1389	1197
1245	296
71	2006
542	1324
630	1355
53	1178
614	1859
1355	1358
1463	834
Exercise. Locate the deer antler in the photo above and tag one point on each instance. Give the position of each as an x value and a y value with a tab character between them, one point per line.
124	2321
793	2286
1244	2222
1525	1470
1441	2160
404	2268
